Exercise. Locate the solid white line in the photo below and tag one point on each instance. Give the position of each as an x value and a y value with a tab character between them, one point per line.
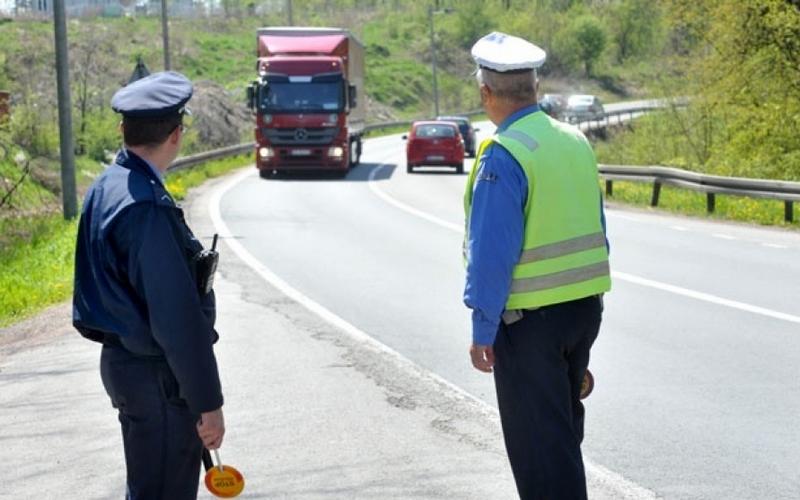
607	478
313	306
706	297
407	208
615	274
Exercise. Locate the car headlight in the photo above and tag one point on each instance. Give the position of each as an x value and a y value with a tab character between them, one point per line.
267	119
336	152
265	153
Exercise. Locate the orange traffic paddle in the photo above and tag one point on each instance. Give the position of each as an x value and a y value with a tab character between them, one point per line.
222	481
587	385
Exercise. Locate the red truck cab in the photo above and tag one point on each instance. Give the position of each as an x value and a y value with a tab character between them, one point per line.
308	115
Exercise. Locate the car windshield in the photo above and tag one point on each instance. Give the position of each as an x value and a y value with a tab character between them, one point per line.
434	130
580	101
324	97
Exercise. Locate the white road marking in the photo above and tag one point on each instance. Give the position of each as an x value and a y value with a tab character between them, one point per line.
407	208
706	297
610	213
774	245
723	236
615	274
607	478
679	228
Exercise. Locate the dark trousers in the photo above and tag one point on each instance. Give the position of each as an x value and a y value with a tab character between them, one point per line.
162	448
540	362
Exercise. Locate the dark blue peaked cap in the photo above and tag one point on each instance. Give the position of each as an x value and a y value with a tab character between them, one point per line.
154	96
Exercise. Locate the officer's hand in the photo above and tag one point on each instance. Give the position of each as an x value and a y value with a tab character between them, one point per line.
211	428
482	357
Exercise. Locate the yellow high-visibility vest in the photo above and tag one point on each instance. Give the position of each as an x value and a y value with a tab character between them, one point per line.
564	255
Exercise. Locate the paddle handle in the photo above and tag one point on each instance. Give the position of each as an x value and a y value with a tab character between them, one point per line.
207	462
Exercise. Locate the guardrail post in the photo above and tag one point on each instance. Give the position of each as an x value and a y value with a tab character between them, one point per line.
788	211
656	194
609	188
710	201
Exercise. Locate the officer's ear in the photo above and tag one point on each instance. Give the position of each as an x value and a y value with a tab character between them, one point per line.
486	93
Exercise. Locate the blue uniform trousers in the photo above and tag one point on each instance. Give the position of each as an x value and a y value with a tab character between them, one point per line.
540	362
162	448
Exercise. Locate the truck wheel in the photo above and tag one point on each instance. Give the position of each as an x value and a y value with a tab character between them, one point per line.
355	153
459	168
409	169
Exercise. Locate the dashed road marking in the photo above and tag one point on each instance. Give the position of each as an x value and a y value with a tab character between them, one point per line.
723	236
706	297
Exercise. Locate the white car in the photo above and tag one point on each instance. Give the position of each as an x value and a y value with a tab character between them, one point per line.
581	108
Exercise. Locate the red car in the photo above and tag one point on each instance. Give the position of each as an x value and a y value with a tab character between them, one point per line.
434	143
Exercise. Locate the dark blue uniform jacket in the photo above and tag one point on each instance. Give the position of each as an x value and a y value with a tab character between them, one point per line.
136	283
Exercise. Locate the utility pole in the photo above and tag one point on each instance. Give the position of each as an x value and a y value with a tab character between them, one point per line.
165	34
433	65
431	12
69	196
289	12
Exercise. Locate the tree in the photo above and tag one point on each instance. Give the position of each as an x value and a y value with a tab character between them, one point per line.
582	42
471	23
93	63
634	24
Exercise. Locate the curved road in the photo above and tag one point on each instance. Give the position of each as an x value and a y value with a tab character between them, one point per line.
696	364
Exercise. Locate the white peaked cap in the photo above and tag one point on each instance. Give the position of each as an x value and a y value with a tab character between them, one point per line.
500	52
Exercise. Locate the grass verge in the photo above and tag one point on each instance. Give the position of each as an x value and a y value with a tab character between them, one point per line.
682	201
37	271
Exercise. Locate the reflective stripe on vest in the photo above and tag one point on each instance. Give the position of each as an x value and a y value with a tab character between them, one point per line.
564	254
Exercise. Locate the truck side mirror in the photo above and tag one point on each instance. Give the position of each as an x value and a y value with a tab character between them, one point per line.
251	97
352	95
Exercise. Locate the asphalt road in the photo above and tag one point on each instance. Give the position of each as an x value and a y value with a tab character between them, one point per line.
697	390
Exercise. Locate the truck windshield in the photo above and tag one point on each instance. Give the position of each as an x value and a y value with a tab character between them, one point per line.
294	96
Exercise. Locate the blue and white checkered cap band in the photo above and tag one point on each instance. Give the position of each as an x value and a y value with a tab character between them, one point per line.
500	52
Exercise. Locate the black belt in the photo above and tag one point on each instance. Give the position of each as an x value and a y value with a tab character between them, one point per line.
111	340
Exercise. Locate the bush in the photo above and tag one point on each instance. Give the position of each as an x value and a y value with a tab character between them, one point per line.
32	131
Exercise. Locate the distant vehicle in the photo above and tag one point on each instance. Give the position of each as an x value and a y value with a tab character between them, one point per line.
467	132
434	143
307	112
581	108
554	105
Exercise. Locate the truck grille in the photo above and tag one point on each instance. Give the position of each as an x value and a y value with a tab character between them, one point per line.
300	136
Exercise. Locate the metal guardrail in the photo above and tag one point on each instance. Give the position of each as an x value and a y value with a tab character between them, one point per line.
407	123
785	191
185	162
189	161
617	117
215	154
711	185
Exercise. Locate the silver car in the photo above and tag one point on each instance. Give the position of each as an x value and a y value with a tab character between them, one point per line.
582	108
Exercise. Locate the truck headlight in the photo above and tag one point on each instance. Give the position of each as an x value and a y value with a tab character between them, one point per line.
265	153
336	152
267	119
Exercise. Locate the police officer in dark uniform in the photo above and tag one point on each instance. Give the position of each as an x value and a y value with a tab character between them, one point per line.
143	290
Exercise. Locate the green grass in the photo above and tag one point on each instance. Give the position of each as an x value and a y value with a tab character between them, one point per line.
37	272
37	261
179	183
685	202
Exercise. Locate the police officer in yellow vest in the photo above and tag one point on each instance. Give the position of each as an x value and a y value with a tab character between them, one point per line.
537	266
